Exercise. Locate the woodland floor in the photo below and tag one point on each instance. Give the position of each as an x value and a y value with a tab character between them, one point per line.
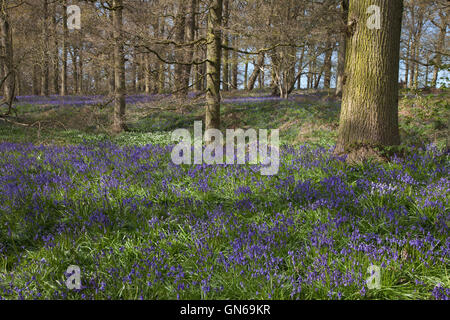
141	227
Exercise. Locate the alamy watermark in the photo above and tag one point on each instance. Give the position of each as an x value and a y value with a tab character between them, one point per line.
74	277
374	21
258	147
73	17
374	280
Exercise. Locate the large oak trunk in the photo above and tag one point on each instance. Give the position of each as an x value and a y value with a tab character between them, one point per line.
369	114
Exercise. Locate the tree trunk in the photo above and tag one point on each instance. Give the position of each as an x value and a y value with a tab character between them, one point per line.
226	53
55	59
234	64
369	113
134	67
190	36
80	68
64	51
438	57
408	55
111	72
327	65
246	75
45	53
119	69
74	54
212	117
341	52
180	26
36	84
255	73
6	53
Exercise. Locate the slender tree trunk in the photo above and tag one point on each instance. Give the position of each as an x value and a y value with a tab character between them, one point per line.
119	69
341	51
36	76
112	62
111	75
45	47
226	53
147	81
234	64
369	113
190	36
6	53
134	67
162	66
408	55
80	68
75	65
64	51
214	40
298	77
180	26
55	59
18	84
440	47
198	56
246	75
256	71
327	65
427	70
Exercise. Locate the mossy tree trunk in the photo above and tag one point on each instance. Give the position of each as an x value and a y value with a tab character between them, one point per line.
212	117
369	113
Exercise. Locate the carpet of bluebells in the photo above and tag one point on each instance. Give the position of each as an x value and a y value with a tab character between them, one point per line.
140	227
130	99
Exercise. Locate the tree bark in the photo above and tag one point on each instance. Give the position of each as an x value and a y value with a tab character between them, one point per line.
234	64
212	116
440	47
369	113
190	36
6	51
36	84
226	53
45	48
256	71
327	65
55	60
342	50
180	26
119	69
64	51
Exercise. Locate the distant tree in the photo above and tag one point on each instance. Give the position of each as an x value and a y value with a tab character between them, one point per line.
440	22
63	89
119	68
45	50
6	55
342	49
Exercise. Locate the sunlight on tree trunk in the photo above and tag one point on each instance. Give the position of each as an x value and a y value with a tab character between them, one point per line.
369	114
